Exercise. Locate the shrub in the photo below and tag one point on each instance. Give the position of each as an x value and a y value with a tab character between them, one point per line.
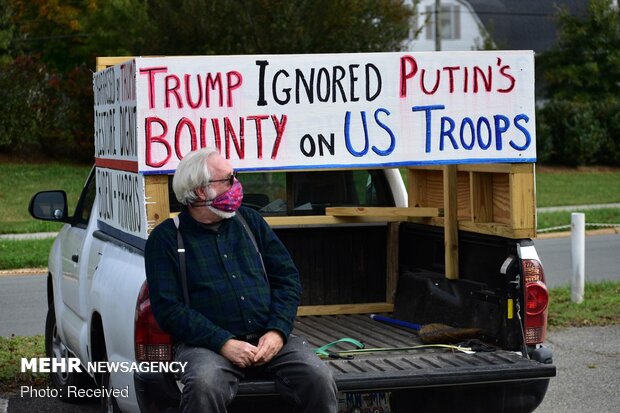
45	112
578	133
23	107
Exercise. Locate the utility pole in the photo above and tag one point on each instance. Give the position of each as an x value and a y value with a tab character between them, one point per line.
437	25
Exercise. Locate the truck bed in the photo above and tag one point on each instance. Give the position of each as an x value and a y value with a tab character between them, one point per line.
401	369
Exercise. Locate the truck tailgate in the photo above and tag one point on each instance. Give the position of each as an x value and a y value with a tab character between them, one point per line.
402	369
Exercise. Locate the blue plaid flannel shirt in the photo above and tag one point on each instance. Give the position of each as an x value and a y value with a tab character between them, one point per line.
229	296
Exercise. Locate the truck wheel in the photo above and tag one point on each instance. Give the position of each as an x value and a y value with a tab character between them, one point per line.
108	401
55	348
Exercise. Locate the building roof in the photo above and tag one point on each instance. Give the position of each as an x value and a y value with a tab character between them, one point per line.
524	24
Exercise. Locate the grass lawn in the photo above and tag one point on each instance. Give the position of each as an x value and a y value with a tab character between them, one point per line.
560	187
24	253
592	216
12	349
19	182
601	306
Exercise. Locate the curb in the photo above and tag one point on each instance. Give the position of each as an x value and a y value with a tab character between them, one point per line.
36	235
566	234
24	271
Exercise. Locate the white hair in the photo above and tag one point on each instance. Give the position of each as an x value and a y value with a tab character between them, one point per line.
193	172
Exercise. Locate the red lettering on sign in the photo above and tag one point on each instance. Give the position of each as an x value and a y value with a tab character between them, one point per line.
151	72
150	139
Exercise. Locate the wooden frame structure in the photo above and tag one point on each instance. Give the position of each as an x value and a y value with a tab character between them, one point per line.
495	199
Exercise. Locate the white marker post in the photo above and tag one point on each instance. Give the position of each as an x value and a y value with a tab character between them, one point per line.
578	225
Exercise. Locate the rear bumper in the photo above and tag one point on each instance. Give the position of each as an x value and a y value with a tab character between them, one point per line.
511	397
432	381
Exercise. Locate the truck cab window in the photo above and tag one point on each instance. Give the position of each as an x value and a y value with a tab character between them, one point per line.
86	201
308	193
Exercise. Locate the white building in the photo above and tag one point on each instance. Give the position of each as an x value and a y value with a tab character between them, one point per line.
461	29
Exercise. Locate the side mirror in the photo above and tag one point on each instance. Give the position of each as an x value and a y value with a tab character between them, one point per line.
49	206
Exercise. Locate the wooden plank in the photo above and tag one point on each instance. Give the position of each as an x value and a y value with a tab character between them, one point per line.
157	202
107	61
391	270
486	167
522	201
481	196
416	188
495	167
501	230
300	221
366	308
463	195
489	228
383	212
501	199
451	242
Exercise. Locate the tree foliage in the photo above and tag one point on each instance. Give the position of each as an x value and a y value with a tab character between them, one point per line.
47	46
579	123
585	64
53	29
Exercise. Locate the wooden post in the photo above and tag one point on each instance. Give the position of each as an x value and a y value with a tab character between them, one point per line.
157	202
391	271
451	227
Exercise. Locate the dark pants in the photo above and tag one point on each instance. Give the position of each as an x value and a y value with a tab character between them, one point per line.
210	381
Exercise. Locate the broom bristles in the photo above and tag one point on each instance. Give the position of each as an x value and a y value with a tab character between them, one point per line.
436	333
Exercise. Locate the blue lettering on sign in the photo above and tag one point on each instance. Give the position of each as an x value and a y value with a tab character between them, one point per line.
447	133
375	149
427	110
526	133
467	122
499	130
390	149
347	134
485	121
480	133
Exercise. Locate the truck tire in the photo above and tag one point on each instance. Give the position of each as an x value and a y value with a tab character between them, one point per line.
55	348
108	401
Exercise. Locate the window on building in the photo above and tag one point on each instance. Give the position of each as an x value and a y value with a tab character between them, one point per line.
449	21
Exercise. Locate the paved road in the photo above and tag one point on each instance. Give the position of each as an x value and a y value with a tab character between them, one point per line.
23	305
588	371
602	259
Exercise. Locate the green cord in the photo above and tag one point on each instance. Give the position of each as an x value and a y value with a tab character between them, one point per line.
322	351
362	350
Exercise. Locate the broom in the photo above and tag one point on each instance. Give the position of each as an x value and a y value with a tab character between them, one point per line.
434	333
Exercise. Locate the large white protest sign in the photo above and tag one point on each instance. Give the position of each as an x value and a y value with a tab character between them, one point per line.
287	112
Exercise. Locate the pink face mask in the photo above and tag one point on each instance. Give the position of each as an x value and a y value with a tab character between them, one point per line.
230	200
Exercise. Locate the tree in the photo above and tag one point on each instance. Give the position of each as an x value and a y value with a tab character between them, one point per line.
276	26
59	39
579	123
52	29
7	32
585	65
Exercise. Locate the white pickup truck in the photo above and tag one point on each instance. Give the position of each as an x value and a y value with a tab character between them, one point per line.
452	246
99	308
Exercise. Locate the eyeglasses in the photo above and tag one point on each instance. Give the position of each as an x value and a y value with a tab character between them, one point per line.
230	179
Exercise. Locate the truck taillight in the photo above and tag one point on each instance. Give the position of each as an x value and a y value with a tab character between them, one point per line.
536	302
151	342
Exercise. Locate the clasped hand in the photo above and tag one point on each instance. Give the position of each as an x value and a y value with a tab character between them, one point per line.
243	354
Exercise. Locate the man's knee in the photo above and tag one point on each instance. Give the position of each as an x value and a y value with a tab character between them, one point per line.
207	375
